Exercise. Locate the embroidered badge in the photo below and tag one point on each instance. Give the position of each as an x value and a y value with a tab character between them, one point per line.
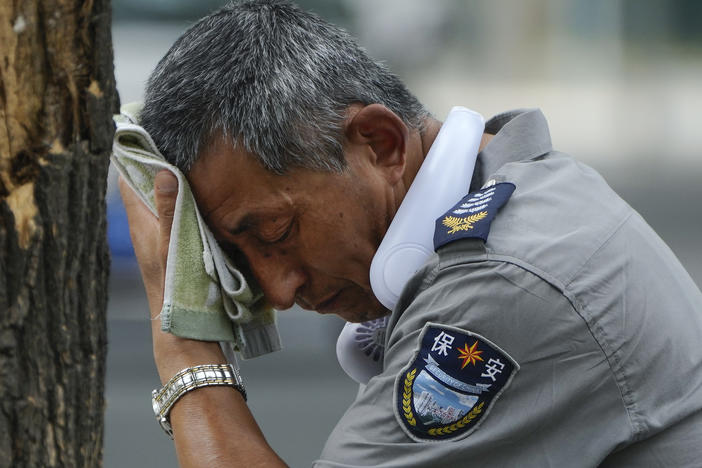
452	382
471	217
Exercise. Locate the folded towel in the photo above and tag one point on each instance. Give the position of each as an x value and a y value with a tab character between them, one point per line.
206	297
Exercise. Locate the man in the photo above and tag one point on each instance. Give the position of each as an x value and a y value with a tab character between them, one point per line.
557	331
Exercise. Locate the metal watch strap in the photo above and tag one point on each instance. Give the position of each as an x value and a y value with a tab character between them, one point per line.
188	379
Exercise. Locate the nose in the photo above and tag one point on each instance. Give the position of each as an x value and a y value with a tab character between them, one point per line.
279	276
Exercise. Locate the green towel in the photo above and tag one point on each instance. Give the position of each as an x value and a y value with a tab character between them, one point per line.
206	297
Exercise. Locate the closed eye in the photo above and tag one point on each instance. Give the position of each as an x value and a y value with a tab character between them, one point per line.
284	235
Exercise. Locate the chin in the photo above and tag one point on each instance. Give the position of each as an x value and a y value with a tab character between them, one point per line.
368	312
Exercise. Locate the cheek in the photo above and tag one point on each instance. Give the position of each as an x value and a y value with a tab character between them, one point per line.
338	231
340	246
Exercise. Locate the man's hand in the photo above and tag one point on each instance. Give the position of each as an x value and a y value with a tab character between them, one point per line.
147	231
150	238
212	426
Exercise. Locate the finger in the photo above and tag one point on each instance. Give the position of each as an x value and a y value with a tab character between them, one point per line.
165	194
145	233
142	222
136	210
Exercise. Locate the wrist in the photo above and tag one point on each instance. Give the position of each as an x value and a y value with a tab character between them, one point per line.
192	378
173	353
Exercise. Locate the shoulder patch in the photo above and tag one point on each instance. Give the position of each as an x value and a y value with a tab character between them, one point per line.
450	384
471	217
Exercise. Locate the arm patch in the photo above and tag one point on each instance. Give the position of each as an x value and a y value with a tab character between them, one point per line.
450	384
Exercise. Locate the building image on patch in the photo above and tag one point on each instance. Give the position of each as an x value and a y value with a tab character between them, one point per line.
435	403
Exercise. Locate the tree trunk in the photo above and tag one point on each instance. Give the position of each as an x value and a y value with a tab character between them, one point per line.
57	94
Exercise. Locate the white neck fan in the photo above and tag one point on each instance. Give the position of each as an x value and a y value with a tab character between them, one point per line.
441	181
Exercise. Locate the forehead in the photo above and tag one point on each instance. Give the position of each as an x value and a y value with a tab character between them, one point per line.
226	174
232	188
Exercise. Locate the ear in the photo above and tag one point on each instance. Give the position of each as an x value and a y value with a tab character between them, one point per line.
385	134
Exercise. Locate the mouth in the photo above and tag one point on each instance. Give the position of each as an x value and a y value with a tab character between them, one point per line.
328	305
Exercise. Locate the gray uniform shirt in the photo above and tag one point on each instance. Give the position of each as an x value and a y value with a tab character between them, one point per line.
603	323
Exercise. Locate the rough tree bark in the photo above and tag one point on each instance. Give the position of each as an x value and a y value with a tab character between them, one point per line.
57	94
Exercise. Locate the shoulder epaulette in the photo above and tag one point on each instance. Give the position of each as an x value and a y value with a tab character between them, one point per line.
472	215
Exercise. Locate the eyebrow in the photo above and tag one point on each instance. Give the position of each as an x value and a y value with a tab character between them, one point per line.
251	220
247	221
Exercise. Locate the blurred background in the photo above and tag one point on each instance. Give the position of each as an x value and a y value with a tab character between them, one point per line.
620	82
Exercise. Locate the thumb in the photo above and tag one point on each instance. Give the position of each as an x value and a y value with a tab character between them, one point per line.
165	193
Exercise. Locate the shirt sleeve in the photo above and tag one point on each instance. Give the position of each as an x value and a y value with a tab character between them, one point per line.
562	406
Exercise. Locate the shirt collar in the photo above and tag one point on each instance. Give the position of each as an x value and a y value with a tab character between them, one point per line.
519	135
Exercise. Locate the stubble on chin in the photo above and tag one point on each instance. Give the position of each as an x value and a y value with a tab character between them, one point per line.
372	310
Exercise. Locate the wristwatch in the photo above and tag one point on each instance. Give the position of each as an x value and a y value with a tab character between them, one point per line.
188	379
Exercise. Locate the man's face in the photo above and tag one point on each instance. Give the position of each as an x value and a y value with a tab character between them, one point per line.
308	236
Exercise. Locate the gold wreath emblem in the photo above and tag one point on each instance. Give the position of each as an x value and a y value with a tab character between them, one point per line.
444	430
406	396
462	224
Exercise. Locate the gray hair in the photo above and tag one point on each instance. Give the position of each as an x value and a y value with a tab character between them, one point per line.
272	77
